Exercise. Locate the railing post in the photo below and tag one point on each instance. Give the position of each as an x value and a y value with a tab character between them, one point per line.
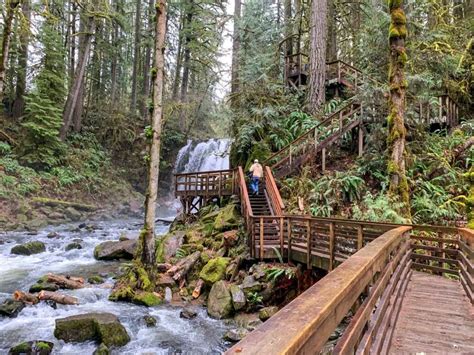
282	236
323	160
289	239
291	157
252	235
220	183
361	140
340	121
261	239
360	237
315	139
332	243
308	244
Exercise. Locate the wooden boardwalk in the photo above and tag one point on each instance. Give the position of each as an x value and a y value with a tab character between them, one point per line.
436	317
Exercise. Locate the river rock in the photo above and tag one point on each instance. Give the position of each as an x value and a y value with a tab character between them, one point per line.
249	321
165	280
43	285
267	312
56	215
214	270
238	297
149	321
29	248
104	327
235	335
113	250
250	285
95	280
36	347
148	299
72	246
227	218
73	214
10	308
52	235
102	350
219	302
188	313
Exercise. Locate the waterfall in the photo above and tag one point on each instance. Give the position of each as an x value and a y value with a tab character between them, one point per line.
209	155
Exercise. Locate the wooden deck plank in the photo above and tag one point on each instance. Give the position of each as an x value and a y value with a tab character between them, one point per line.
436	318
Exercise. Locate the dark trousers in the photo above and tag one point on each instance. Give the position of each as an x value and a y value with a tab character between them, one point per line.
254	184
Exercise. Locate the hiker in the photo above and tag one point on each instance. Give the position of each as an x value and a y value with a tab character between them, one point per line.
256	171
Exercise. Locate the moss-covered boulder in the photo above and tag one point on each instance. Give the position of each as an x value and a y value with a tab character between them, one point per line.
219	302
102	350
102	327
74	245
10	308
227	218
214	270
148	299
238	297
113	250
36	347
29	248
95	280
43	286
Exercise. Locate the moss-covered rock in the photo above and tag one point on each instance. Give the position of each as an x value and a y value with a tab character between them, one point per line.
227	218
150	321
37	347
10	308
219	302
214	270
72	246
267	312
95	280
29	248
238	297
102	350
148	299
46	286
101	327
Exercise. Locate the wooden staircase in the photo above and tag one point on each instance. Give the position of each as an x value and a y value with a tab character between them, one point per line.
259	203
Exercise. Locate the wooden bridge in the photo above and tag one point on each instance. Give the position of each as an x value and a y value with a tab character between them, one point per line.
391	288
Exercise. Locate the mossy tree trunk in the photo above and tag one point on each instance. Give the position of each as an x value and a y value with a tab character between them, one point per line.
11	6
396	123
147	241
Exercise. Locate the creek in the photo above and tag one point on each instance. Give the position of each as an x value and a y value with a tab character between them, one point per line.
172	335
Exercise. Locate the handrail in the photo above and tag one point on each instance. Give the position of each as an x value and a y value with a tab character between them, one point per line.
244	194
304	325
308	133
273	192
206	172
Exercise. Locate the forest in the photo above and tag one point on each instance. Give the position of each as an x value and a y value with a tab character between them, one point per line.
127	131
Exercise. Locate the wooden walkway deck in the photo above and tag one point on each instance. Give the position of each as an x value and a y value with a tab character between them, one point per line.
436	317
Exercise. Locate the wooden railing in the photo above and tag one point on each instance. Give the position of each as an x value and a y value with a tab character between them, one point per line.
246	207
274	196
315	140
376	273
205	183
370	285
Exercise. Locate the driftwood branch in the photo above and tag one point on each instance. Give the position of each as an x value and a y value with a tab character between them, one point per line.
66	281
25	297
180	270
197	289
57	297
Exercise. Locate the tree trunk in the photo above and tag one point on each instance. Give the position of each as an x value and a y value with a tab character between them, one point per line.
74	93
71	283
236	47
57	297
396	121
11	6
79	109
179	60
19	103
288	29
331	54
186	62
136	54
317	80
148	238
146	65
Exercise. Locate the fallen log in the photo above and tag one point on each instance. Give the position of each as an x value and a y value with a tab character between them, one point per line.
186	266
66	281
57	297
25	297
58	203
197	289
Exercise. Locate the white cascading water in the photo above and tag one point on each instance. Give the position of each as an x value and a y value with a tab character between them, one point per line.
209	155
171	335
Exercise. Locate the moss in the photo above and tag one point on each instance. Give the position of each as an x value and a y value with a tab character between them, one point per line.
42	346
123	293
402	58
398	16
29	248
148	299
160	250
214	270
143	278
393	31
95	279
24	347
392	168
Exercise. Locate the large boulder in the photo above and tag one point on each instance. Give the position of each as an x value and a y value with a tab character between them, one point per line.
219	302
167	246
238	297
235	335
250	285
11	308
102	327
29	248
73	214
214	270
113	250
36	347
